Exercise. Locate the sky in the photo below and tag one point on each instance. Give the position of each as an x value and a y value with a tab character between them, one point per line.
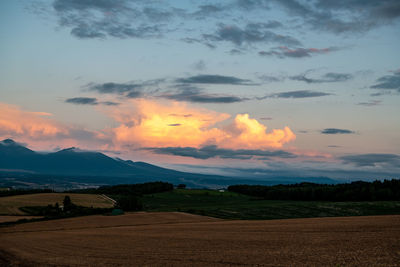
251	88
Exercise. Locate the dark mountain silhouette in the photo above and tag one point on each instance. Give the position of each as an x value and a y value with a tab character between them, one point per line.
71	161
73	165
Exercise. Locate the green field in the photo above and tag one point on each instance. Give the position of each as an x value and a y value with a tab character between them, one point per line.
230	205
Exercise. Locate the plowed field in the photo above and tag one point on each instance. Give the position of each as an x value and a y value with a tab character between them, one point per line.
171	238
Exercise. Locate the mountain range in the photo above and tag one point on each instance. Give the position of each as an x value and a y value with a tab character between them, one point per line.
73	165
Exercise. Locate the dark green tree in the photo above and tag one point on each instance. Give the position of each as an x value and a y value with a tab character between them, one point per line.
67	203
129	203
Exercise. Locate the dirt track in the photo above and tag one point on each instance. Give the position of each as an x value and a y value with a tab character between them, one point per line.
182	239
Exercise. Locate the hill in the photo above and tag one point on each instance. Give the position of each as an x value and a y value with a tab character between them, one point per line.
74	168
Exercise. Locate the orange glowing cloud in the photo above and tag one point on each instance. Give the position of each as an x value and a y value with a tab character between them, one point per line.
253	135
146	123
17	122
43	133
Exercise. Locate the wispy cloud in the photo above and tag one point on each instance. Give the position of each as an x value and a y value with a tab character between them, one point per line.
336	131
299	52
191	93
372	160
330	77
252	33
388	82
215	79
89	101
297	94
370	103
82	101
213	151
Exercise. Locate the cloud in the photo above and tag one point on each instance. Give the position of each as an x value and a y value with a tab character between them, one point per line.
388	82
89	101
285	52
193	94
215	79
82	101
372	160
252	33
330	77
270	78
370	103
343	16
39	130
297	94
145	123
199	65
106	18
208	10
336	131
213	151
117	88
129	90
109	103
17	122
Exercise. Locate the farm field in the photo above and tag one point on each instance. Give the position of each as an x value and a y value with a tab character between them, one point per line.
11	218
10	205
229	205
173	238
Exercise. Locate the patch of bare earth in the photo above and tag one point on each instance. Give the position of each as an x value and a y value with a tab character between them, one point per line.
169	239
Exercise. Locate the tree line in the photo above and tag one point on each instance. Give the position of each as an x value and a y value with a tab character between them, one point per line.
129	189
355	191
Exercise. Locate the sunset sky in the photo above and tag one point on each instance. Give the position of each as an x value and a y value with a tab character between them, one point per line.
235	87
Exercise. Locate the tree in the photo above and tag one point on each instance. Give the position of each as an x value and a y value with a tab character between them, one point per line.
67	203
129	203
181	186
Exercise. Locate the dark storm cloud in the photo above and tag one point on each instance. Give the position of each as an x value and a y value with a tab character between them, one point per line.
286	52
372	160
388	82
215	79
191	93
213	151
336	131
82	101
329	77
297	94
252	33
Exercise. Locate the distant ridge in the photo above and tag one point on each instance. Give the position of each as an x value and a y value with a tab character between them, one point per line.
94	167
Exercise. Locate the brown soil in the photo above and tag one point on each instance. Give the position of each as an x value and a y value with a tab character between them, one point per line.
4	219
170	239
